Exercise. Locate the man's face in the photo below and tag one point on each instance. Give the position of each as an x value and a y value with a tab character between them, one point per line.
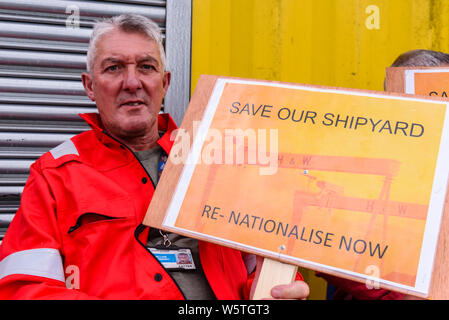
127	83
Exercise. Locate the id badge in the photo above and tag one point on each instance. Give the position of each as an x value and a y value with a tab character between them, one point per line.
174	259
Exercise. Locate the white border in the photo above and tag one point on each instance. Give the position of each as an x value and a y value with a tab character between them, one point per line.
436	204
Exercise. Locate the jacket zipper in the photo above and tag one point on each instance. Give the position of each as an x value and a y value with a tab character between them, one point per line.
132	152
141	225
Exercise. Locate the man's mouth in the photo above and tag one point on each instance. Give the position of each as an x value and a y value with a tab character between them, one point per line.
132	103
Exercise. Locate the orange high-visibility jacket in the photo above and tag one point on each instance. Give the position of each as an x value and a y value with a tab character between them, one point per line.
80	222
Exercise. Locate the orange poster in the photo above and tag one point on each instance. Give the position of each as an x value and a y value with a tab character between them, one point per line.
348	181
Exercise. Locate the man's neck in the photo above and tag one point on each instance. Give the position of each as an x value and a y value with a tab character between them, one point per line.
140	143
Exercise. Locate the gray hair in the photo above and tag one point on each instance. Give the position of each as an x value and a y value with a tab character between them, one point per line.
132	23
421	58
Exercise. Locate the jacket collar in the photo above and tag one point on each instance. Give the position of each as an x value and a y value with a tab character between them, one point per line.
165	124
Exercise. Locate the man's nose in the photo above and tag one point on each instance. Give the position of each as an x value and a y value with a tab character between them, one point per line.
131	81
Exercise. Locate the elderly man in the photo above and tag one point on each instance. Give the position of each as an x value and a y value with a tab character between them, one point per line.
78	231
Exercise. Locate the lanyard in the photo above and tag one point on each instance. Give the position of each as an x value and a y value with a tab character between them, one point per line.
161	165
171	256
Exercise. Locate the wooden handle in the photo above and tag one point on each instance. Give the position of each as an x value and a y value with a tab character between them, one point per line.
270	273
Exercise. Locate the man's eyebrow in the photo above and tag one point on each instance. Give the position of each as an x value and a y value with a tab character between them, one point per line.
109	60
149	59
143	59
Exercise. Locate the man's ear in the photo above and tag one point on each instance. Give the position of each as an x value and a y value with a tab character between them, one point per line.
86	78
166	81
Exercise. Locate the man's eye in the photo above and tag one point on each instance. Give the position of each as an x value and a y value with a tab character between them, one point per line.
148	67
112	68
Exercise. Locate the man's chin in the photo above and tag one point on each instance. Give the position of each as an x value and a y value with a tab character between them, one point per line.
137	128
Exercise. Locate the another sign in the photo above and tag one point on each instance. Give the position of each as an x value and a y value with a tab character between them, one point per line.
424	81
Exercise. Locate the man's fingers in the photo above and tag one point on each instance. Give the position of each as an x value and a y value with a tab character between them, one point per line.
295	290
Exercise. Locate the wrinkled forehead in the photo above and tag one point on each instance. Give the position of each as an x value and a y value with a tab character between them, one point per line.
118	44
106	33
111	35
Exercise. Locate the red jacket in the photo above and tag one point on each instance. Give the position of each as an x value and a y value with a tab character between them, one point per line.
349	290
79	222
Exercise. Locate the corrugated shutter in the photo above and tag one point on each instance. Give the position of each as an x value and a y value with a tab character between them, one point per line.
42	54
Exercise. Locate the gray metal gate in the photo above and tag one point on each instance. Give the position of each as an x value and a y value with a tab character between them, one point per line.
43	47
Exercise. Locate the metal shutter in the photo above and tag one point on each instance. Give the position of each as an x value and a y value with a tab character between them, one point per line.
42	54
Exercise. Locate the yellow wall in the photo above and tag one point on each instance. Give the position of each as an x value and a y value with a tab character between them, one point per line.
324	42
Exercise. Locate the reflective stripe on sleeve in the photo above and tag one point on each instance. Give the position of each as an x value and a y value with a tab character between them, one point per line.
41	262
65	148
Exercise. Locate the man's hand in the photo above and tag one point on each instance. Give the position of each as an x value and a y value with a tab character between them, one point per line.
296	290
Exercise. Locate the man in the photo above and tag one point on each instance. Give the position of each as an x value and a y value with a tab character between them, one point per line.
79	223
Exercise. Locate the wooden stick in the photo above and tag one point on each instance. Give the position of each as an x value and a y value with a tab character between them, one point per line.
270	273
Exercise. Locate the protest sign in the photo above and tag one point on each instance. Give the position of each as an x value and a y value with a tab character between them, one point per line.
346	182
